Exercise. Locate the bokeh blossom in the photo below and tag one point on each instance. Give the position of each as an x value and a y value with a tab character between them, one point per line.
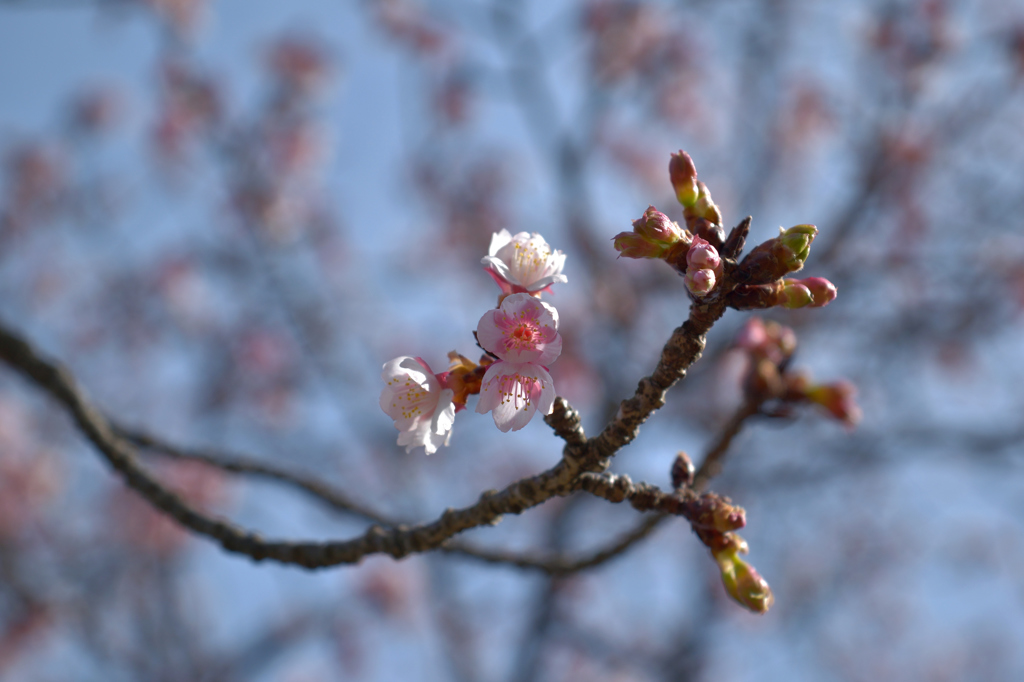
523	263
523	334
418	402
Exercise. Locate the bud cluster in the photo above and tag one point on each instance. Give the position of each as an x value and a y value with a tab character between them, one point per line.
704	268
812	292
769	347
714	518
705	258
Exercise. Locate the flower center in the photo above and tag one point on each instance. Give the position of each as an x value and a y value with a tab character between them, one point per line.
528	259
524	335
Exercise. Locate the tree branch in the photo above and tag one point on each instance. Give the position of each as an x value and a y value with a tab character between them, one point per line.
712	464
239	464
579	456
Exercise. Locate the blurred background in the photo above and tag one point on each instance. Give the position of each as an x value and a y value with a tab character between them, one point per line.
224	216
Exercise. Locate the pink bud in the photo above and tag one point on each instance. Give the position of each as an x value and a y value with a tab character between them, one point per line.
822	290
752	335
652	236
632	245
656	226
700	282
683	175
703	256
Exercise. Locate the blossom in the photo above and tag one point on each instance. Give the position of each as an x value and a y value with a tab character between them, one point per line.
523	334
523	263
512	392
419	403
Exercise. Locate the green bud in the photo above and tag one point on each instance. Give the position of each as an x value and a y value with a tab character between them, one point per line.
741	580
795	295
793	246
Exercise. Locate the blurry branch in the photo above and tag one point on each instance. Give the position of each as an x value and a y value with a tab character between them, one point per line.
246	465
580	456
563	565
712	464
968	115
544	606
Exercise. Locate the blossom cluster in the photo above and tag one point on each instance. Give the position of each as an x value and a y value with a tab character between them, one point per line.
520	340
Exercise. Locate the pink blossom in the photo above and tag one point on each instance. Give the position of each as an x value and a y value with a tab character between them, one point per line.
523	333
513	392
523	263
418	402
523	329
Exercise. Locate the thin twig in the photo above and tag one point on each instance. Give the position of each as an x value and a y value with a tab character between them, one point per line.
247	465
712	464
561	564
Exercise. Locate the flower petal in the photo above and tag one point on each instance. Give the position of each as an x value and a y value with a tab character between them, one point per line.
513	392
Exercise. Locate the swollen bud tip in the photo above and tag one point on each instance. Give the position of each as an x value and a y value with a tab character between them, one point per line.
741	580
683	175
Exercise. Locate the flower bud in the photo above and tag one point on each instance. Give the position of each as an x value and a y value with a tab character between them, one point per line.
794	244
823	291
652	236
655	226
782	337
703	267
705	207
838	399
700	282
632	245
753	335
741	580
794	295
683	175
703	256
765	380
682	470
775	258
